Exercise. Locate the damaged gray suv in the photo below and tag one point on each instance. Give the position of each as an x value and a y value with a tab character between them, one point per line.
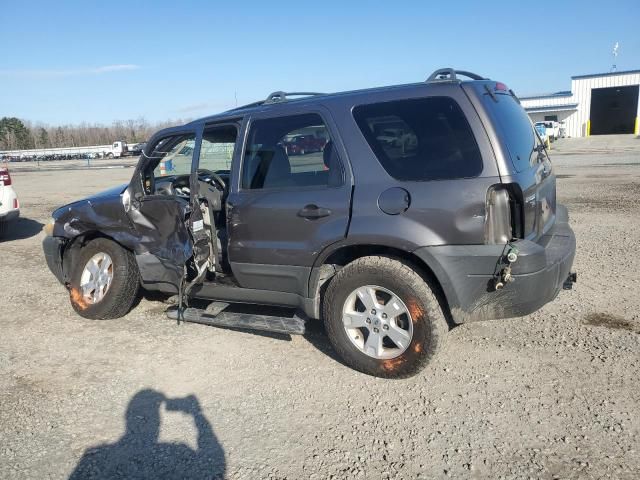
391	214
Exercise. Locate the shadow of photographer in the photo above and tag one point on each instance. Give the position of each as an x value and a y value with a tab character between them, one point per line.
138	453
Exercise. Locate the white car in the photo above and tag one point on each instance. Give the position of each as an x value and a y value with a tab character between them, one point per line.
9	205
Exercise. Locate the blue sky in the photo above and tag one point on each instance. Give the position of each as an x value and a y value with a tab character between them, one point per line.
98	61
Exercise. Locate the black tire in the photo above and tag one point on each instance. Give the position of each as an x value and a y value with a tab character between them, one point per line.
124	288
430	327
3	228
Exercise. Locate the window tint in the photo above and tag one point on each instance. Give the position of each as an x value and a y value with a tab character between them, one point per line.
217	148
516	129
293	151
421	139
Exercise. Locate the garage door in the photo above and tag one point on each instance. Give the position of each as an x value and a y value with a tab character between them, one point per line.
613	110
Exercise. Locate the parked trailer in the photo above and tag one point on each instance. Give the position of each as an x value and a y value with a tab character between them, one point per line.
41	153
115	150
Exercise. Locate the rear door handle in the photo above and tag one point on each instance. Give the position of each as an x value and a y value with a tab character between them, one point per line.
312	211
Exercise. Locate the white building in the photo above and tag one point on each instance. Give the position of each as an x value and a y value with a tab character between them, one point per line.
598	104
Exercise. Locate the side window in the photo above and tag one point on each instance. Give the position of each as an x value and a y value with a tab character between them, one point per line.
292	151
174	155
420	139
217	148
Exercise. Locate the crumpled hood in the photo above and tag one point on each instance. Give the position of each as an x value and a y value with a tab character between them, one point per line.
110	193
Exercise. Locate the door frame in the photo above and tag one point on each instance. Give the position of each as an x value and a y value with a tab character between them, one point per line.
288	111
154	272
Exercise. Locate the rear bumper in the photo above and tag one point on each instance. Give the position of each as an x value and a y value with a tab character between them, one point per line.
53	248
9	207
466	273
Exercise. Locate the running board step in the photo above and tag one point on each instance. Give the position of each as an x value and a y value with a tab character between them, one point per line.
266	323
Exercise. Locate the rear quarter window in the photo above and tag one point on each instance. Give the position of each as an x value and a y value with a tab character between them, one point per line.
420	139
516	130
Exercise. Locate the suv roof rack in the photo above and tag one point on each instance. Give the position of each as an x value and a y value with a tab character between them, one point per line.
277	97
451	75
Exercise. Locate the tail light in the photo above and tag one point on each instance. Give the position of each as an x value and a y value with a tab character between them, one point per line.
4	176
504	217
497	228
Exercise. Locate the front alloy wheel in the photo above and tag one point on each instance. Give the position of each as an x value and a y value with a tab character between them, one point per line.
104	280
96	278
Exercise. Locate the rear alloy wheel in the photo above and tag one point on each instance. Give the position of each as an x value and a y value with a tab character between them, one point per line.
383	318
377	322
105	280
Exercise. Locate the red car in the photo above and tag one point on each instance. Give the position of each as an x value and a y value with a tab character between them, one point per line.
302	144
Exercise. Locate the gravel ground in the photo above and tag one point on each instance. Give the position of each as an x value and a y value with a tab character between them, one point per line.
551	395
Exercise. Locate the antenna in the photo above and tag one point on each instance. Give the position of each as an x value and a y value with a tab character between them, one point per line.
616	47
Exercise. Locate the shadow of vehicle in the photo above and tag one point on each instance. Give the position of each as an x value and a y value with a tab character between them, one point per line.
20	229
316	335
138	453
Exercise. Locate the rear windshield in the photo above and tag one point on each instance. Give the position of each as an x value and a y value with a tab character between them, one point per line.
420	139
515	128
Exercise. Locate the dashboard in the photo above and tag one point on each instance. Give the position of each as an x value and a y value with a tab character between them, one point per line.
178	185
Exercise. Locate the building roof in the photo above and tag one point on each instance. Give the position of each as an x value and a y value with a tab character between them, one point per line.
608	74
552	108
564	93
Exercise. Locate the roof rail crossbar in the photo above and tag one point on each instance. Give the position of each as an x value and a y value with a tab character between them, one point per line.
248	105
277	97
451	75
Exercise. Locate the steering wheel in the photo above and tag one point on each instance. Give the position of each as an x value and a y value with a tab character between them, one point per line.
220	183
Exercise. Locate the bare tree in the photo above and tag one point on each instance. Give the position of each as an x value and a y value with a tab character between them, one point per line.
42	135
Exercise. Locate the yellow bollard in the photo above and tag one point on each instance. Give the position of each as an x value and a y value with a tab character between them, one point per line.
636	128
588	128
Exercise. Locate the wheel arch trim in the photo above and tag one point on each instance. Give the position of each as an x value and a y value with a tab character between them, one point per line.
425	264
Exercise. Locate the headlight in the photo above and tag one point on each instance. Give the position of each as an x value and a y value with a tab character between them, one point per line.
48	228
126	200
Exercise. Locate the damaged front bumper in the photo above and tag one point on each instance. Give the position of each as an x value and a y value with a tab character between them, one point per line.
53	248
467	274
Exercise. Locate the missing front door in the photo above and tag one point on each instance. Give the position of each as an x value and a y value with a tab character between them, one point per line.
613	110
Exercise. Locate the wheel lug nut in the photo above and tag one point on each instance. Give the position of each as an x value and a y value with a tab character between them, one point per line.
384	315
376	330
368	320
373	312
385	327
